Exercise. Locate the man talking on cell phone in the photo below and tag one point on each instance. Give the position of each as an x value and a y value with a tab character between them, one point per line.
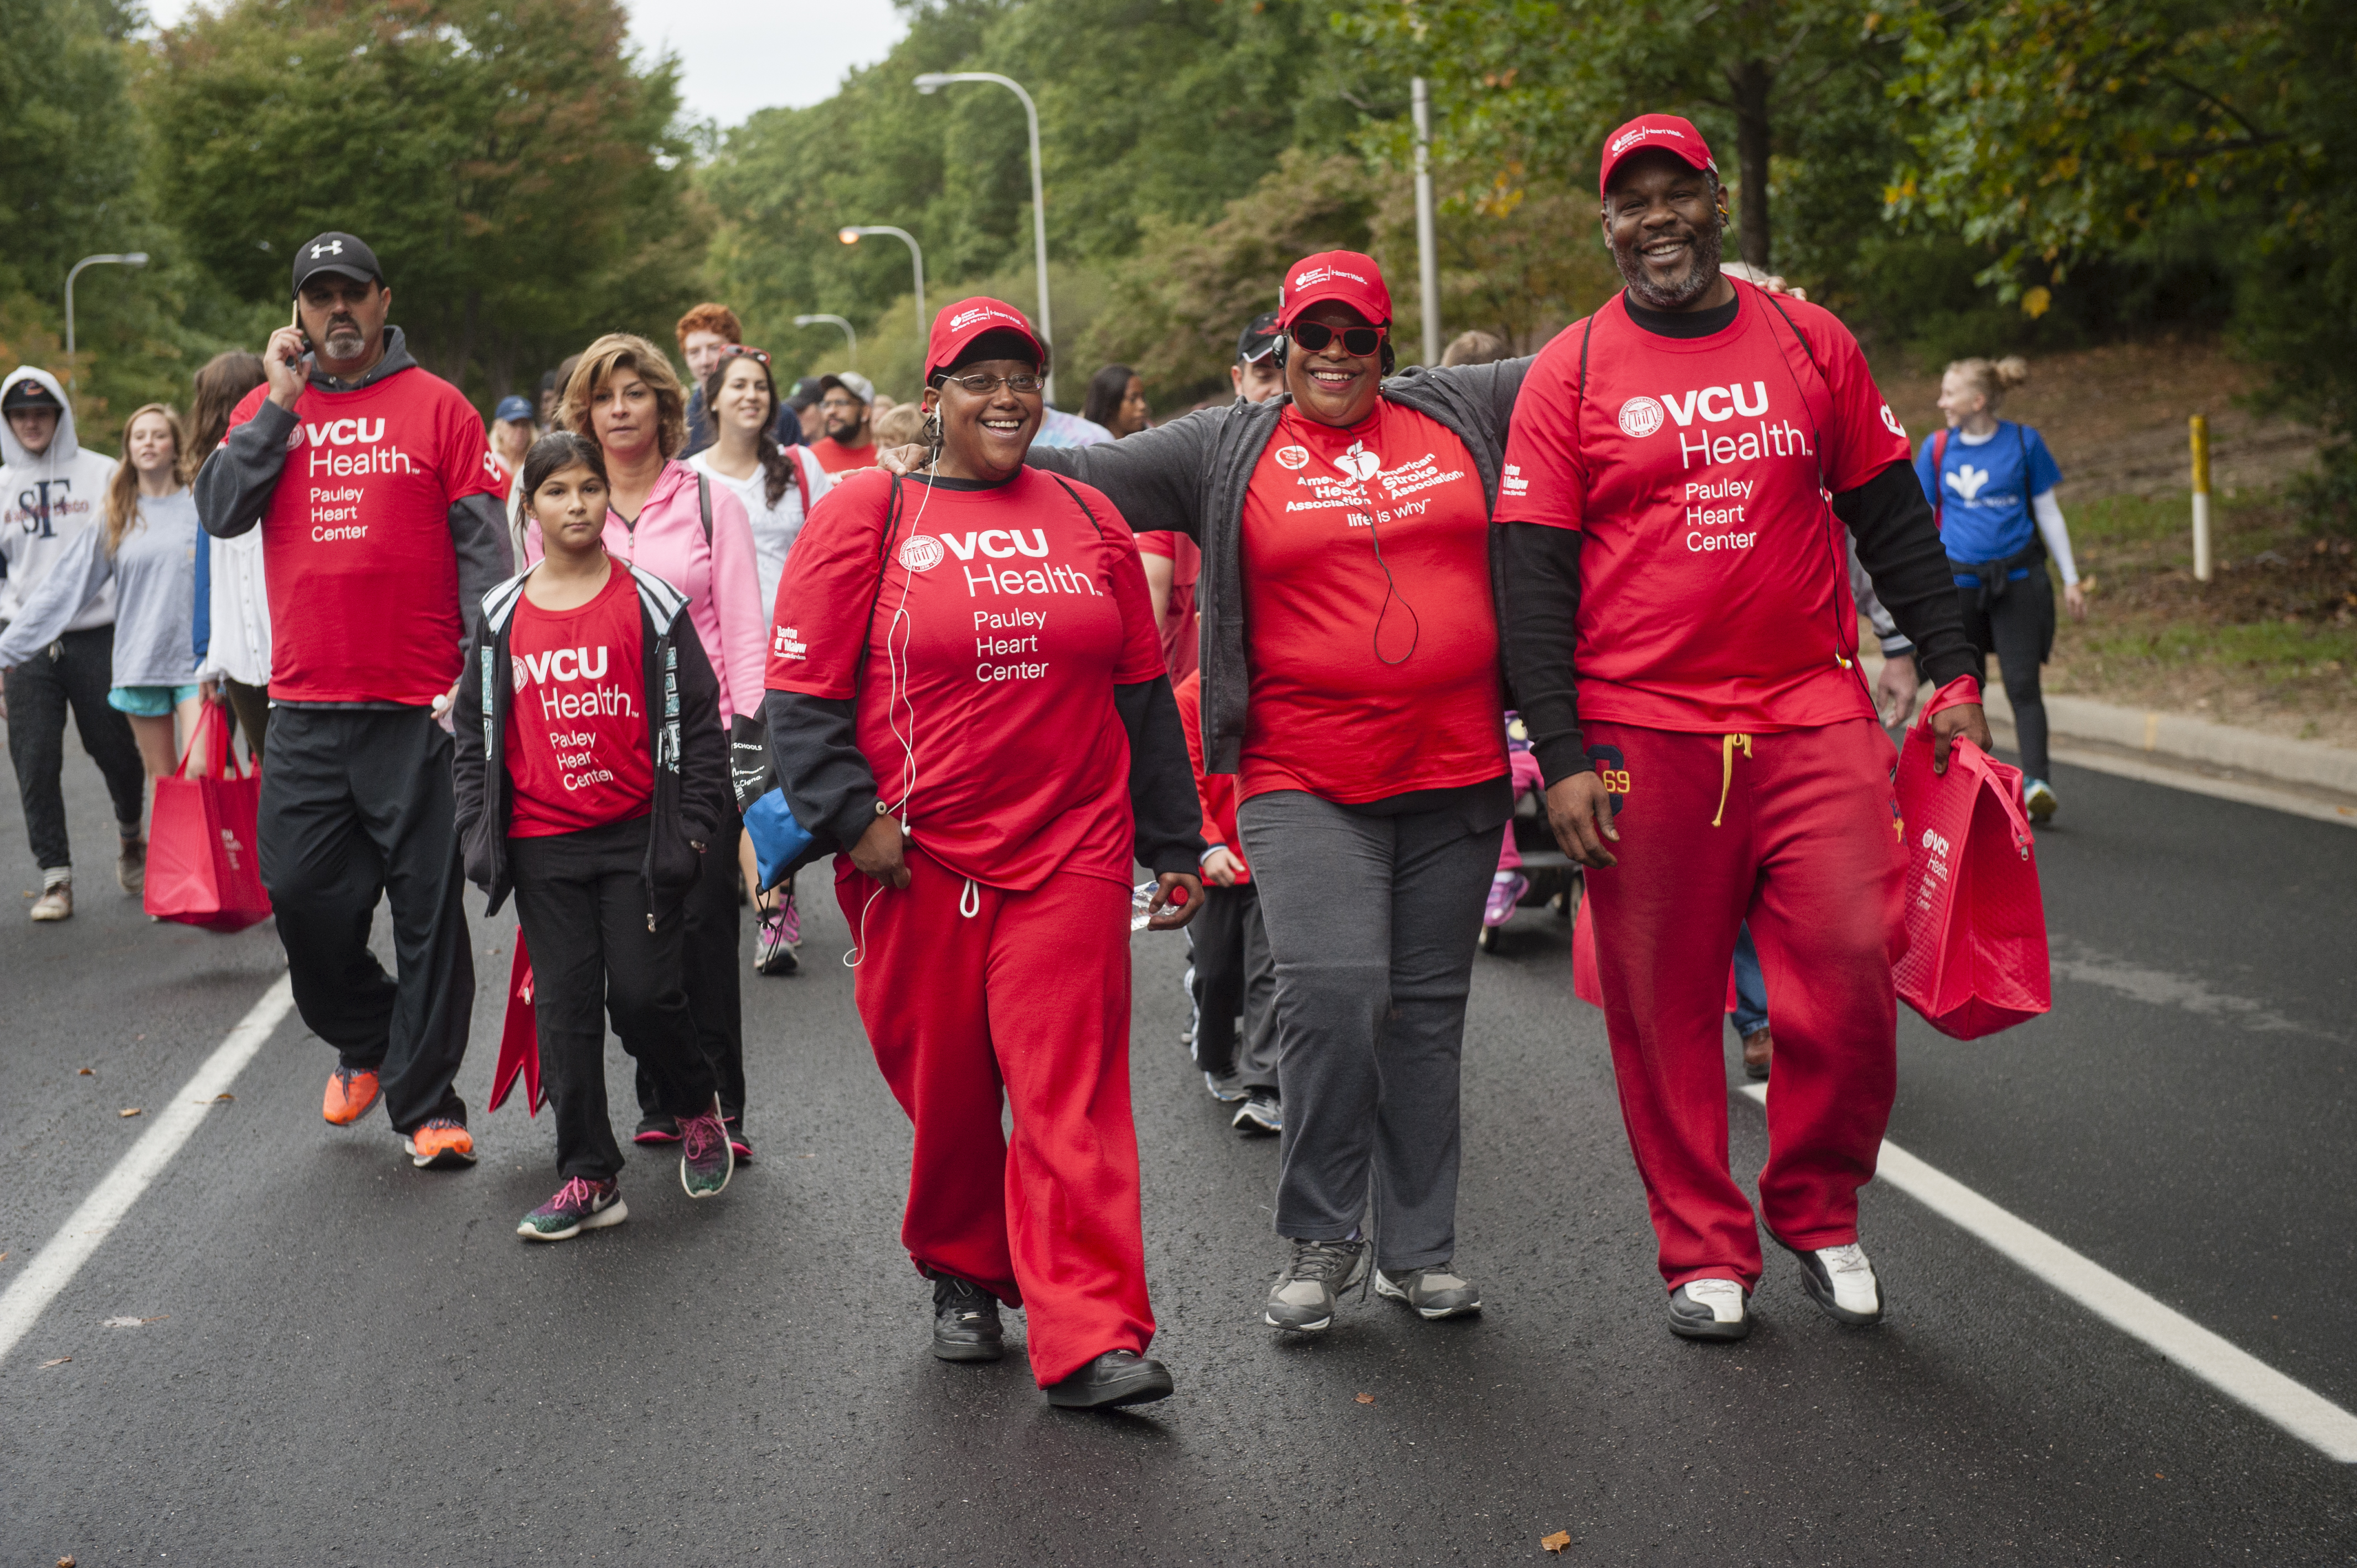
378	499
1681	473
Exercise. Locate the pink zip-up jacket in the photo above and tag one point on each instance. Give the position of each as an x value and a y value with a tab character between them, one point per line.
722	581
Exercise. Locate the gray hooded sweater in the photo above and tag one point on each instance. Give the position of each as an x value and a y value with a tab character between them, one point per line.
1189	475
45	501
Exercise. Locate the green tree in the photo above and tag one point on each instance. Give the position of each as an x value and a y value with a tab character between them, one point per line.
1530	90
2060	133
516	169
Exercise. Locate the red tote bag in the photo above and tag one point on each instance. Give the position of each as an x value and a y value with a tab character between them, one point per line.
519	1038
1976	959
201	864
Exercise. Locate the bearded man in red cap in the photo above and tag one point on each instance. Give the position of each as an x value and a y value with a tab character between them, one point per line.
1682	638
1351	681
967	697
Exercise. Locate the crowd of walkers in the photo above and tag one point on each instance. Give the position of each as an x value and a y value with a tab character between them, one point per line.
997	656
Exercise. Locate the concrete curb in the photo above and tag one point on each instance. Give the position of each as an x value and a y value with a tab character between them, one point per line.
2167	736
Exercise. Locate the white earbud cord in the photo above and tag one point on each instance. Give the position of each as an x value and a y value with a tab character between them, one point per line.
896	691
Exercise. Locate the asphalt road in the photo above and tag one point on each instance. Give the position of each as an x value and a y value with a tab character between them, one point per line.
341	1359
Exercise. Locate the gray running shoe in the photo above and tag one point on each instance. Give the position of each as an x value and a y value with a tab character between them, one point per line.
1261	1114
1435	1293
1710	1309
1224	1088
1304	1296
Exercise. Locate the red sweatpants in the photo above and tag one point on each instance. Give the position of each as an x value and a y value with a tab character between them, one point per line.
1028	996
1798	832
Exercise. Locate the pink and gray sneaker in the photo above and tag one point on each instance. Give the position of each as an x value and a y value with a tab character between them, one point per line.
705	1159
1503	897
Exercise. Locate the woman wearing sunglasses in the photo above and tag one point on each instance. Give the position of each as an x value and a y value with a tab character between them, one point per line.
1351	679
966	693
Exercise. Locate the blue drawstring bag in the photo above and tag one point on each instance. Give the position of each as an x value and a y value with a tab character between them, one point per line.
780	845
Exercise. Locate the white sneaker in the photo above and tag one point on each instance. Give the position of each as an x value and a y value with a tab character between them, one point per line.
1709	1309
1840	1280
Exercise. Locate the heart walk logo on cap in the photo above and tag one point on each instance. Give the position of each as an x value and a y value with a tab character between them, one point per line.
1641	416
921	553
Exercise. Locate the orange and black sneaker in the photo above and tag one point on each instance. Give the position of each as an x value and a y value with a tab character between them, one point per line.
440	1145
350	1091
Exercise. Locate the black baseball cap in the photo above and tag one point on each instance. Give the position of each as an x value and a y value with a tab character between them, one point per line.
1258	338
346	255
806	393
27	393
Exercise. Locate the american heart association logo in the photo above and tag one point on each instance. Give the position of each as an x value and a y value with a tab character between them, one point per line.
1358	463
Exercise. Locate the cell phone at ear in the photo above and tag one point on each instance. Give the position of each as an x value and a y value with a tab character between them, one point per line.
294	319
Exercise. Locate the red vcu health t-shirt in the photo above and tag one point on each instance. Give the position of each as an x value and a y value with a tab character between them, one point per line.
577	736
356	540
1715	581
1341	706
997	622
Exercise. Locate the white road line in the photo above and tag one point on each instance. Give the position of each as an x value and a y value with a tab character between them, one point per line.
2233	1371
55	1265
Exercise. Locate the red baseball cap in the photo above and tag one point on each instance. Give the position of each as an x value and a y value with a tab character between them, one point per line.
1343	275
1666	132
956	327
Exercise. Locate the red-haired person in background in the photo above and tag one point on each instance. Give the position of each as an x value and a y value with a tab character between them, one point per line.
966	695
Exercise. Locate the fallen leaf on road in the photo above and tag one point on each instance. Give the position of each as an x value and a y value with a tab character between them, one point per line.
65	1562
1366	1399
216	1100
132	1110
59	1362
85	1072
121	1322
1558	1541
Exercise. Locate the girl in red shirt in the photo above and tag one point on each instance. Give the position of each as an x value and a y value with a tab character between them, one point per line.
591	774
967	695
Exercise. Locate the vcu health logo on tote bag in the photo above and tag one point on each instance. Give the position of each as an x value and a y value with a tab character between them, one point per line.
202	869
1976	959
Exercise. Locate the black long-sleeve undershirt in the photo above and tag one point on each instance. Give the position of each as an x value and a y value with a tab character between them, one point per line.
833	792
1898	543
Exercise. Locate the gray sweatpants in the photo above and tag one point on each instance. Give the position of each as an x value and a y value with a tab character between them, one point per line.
1372	921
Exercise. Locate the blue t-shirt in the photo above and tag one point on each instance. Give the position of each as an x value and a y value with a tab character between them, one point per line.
1982	492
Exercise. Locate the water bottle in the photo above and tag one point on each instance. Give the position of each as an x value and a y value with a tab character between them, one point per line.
1142	896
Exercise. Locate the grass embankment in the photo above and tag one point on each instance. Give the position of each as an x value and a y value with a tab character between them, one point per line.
2270	642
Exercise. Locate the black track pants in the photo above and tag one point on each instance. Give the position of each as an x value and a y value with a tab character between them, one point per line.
74	673
2019	629
357	805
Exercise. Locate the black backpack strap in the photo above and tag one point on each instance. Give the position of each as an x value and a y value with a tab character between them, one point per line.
1080	503
704	505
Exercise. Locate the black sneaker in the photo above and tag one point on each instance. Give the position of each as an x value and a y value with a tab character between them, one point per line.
1261	1114
1115	1377
1303	1297
965	1321
655	1127
1710	1309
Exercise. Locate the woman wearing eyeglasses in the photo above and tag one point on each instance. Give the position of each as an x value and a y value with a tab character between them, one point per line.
966	693
1351	681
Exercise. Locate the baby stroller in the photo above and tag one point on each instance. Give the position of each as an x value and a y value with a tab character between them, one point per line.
1531	870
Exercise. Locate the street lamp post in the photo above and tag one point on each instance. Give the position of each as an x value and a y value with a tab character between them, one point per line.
850	234
128	259
933	82
1428	262
849	336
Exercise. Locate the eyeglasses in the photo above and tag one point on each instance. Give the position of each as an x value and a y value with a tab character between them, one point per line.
1360	340
730	352
983	385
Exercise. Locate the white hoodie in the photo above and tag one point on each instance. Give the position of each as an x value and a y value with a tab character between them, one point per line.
44	502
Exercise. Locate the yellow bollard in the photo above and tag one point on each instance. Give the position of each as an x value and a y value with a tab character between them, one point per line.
2201	431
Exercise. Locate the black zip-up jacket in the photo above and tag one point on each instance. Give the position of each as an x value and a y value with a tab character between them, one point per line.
1190	476
690	749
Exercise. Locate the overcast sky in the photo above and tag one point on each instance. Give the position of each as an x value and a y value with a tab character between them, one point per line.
742	55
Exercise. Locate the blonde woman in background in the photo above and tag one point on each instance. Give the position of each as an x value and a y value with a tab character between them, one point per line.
146	549
1991	485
